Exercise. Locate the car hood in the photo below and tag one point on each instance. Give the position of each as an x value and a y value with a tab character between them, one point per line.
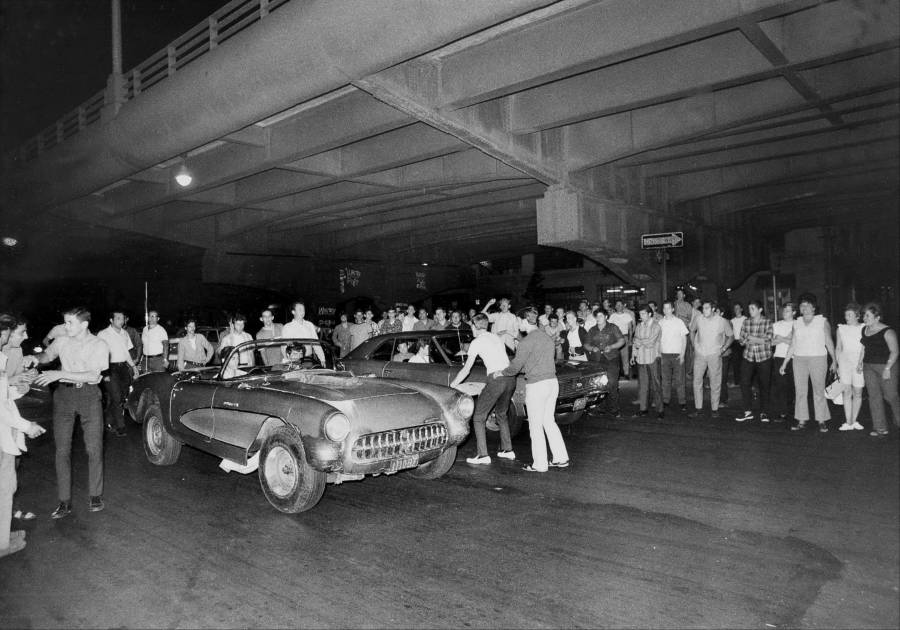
571	368
331	387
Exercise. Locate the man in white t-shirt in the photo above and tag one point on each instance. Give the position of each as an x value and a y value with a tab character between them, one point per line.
624	320
672	346
299	328
504	324
155	342
734	360
783	384
408	323
496	393
238	336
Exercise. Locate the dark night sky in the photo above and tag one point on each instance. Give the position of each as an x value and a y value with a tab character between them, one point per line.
55	54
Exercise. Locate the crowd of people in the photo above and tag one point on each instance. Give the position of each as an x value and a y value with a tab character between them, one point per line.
682	342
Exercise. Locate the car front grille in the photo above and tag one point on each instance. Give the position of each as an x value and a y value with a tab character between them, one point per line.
399	442
578	385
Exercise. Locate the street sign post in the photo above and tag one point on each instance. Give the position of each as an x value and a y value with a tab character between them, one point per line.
664	240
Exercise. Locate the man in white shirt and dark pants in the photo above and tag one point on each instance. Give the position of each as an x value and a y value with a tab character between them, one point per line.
121	370
496	393
155	342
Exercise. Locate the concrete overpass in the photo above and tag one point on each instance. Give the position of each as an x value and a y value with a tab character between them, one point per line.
323	136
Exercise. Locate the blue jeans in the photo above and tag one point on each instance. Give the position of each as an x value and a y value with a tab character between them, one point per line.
880	390
495	395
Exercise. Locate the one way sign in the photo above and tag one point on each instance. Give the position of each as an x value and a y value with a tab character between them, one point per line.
663	240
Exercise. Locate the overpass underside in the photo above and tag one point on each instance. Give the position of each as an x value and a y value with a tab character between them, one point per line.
322	135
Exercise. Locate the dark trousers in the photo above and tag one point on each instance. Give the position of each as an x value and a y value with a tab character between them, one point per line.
649	385
782	396
611	404
672	376
116	392
737	363
495	395
85	403
763	373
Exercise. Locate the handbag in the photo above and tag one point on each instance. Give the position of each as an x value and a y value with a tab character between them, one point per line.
834	391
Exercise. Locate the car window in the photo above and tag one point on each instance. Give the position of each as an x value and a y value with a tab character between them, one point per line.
383	352
212	336
456	346
273	357
405	346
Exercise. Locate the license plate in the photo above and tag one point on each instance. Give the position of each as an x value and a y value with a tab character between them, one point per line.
404	462
579	404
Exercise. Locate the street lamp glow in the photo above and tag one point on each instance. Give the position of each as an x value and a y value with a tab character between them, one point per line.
183	177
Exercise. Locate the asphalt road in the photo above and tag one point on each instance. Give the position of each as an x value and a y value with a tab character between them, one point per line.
657	523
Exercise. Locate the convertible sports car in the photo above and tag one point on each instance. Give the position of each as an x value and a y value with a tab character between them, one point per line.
298	421
582	386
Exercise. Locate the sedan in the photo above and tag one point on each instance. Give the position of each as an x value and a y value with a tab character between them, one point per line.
582	386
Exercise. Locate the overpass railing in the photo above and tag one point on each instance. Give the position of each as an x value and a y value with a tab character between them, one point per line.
223	24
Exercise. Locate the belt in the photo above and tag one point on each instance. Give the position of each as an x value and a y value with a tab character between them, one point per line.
78	385
118	363
195	363
152	356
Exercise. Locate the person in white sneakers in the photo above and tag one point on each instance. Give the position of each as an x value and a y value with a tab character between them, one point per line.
497	392
535	358
847	353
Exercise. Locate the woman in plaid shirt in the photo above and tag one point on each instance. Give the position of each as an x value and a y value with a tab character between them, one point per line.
756	338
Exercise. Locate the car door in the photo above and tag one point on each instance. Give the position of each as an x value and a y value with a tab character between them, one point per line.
190	407
238	413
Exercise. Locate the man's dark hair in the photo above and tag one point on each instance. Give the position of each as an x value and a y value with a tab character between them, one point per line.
81	313
810	299
112	313
8	322
239	317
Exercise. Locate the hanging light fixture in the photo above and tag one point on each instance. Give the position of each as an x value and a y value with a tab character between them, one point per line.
183	176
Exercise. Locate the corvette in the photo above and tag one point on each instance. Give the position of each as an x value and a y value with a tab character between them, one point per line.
299	423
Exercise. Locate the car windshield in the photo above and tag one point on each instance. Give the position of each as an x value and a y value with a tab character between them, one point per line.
276	356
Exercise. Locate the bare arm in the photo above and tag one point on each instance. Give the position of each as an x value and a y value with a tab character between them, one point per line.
890	337
464	371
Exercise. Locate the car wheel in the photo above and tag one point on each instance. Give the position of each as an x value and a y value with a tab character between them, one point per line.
288	481
437	467
512	417
160	446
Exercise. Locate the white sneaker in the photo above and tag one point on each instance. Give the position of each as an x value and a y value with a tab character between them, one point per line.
506	454
845	427
858	427
748	415
484	459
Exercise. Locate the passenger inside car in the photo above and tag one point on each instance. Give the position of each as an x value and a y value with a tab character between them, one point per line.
403	353
421	355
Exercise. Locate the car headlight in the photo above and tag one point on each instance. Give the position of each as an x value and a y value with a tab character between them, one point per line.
465	407
600	381
337	427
